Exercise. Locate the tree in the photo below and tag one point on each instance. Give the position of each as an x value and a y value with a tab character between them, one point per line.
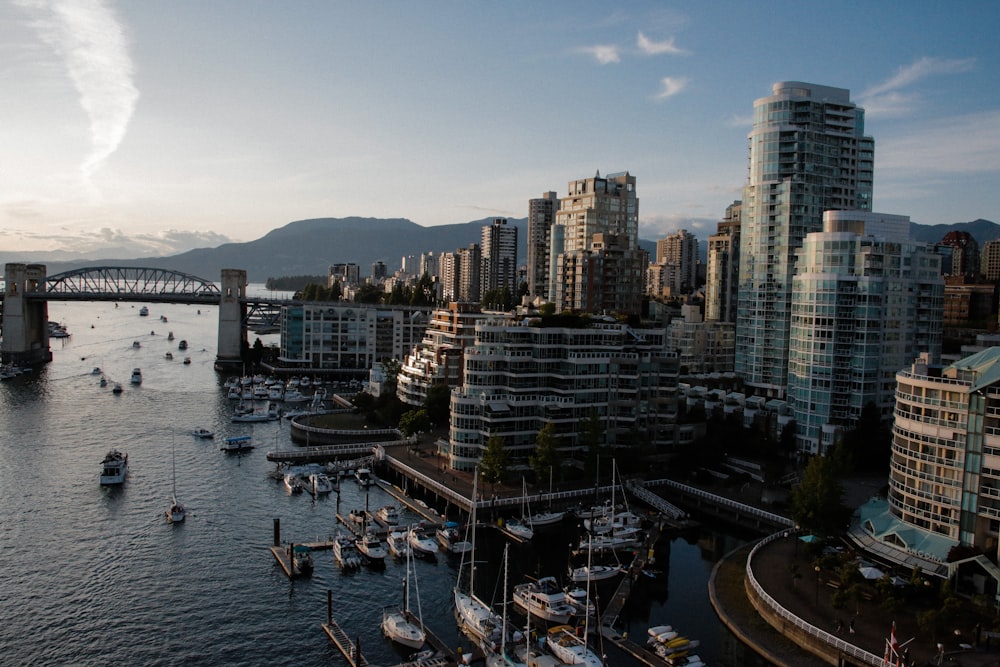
414	421
816	501
368	294
493	466
592	437
438	403
546	455
390	370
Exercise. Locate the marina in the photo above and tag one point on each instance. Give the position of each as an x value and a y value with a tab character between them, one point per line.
227	595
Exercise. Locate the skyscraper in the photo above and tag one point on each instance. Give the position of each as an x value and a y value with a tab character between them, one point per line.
499	257
808	154
680	251
541	217
596	263
723	269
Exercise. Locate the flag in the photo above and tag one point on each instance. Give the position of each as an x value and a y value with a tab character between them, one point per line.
893	647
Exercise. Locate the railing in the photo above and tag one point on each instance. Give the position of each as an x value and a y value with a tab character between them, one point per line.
770	517
811	630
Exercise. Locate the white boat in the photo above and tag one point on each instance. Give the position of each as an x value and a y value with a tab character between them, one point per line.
176	512
320	484
545	518
144	311
276	392
239	443
251	417
451	539
364	477
203	433
136	376
474	616
504	647
388	514
589	573
294	396
114	467
563	642
345	553
136	345
302	559
518	529
292	483
420	543
544	599
660	634
96	371
399	546
371	548
396	623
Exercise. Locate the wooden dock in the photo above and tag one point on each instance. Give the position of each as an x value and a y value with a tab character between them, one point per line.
610	613
344	643
282	554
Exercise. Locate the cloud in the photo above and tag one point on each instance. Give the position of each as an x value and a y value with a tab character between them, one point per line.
651	48
605	54
670	86
92	42
968	144
107	242
888	99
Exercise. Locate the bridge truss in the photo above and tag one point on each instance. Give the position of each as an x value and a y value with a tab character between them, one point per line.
130	284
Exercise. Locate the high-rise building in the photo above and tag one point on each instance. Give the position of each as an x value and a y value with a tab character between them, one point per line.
965	254
596	264
679	251
808	154
541	217
989	260
723	270
499	257
862	307
469	262
347	273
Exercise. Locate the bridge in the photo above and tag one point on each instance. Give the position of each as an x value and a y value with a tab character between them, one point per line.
28	290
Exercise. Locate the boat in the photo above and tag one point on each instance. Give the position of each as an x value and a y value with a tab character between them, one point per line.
371	548
292	483
474	616
294	396
518	529
399	546
388	514
187	360
170	335
549	516
504	647
364	477
345	553
168	355
117	389
183	345
238	443
275	392
114	467
136	376
396	623
358	516
203	433
176	512
660	634
302	559
547	602
451	539
96	371
420	543
544	599
569	648
250	417
144	311
163	318
319	484
103	382
136	345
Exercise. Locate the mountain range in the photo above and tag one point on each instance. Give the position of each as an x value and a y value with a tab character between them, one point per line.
309	247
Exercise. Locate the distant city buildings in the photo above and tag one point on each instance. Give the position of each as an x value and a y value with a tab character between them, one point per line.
677	253
964	254
541	217
723	267
499	257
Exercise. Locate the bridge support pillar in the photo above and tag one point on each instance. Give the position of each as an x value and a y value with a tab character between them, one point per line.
25	321
232	315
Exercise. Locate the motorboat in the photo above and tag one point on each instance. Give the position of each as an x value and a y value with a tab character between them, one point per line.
250	417
238	443
182	345
163	318
144	311
96	371
103	382
397	621
544	600
136	376
168	355
371	548
203	433
399	546
187	361
359	517
588	573
302	559
275	392
570	649
319	484
388	514
176	512
117	389
294	396
136	345
114	467
420	543
292	483
451	539
364	477
345	553
170	335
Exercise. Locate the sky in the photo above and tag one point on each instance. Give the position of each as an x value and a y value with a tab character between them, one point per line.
155	127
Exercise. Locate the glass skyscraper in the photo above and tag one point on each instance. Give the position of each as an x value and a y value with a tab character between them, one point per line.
808	154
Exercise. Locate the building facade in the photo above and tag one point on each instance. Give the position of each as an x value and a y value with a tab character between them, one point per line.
701	347
808	154
862	306
679	251
723	267
541	217
498	257
520	377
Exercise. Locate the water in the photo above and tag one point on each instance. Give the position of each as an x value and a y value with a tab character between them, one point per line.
94	576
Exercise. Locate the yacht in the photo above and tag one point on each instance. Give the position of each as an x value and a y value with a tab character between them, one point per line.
136	376
292	483
399	546
319	484
345	553
420	543
144	311
203	433
563	642
451	539
364	477
371	548
239	443
388	514
544	599
113	468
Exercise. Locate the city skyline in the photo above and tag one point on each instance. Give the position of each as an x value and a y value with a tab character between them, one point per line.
186	125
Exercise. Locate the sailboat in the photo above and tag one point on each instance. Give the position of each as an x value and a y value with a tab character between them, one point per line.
502	655
474	616
396	623
568	647
176	512
547	517
521	528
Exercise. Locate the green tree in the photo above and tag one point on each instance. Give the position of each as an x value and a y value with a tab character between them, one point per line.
438	403
816	503
414	421
493	466
546	454
390	369
368	294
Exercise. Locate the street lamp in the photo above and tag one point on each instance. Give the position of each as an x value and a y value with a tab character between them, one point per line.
817	585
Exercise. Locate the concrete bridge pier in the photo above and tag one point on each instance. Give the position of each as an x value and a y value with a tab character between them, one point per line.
25	322
232	315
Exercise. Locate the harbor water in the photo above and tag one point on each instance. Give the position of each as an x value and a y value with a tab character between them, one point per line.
95	576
